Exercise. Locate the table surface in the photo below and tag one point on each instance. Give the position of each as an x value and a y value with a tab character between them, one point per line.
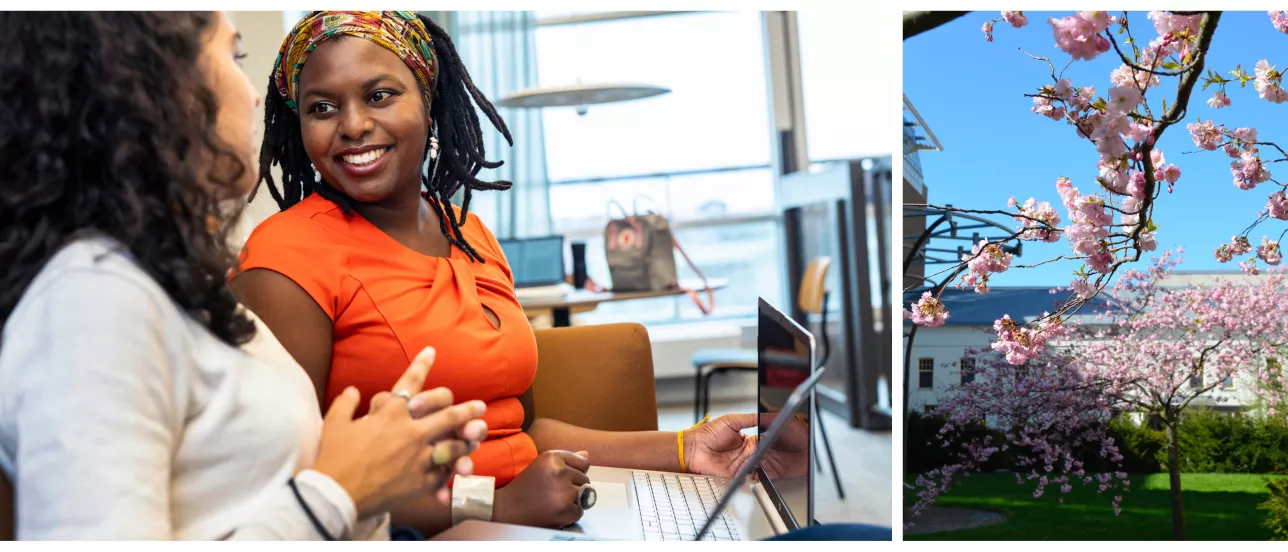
585	298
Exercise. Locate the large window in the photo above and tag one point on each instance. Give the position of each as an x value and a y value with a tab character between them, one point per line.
699	155
845	83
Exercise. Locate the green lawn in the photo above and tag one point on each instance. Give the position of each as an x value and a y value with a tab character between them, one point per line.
1217	507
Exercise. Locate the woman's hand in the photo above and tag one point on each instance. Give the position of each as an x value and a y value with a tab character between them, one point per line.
544	494
719	448
402	449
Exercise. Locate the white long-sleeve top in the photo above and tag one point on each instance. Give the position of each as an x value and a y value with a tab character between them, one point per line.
122	418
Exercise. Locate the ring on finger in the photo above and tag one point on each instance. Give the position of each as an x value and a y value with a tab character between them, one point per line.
442	455
586	496
403	394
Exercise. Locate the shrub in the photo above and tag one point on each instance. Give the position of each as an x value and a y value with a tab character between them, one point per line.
1241	443
1277	505
926	451
1139	445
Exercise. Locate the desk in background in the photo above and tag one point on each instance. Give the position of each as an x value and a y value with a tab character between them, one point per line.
561	307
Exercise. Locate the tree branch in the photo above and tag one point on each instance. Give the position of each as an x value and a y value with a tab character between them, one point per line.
917	22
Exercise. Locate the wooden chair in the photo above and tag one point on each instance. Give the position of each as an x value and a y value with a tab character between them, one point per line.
812	299
598	377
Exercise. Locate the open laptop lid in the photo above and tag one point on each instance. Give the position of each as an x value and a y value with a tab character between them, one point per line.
535	262
798	398
786	357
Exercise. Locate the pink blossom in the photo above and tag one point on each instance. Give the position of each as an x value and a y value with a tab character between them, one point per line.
1138	132
984	260
1015	18
1125	75
1246	136
1279	18
1063	89
1223	254
1239	245
1250	267
1042	229
1043	106
1082	289
1269	252
1136	188
1269	83
1100	260
988	31
1147	241
928	312
1083	99
1168	24
1249	171
1078	34
1218	100
1017	343
1206	135
1123	99
1277	205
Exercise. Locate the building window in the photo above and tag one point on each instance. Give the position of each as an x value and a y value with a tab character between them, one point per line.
1227	383
1196	380
968	370
715	186
925	373
1022	372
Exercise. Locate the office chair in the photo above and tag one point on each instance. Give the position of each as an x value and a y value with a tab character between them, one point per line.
812	299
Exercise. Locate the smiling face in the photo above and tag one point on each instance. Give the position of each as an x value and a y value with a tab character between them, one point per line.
363	120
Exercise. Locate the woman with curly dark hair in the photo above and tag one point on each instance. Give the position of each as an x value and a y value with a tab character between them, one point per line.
138	400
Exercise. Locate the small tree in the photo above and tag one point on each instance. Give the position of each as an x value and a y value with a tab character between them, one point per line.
1153	349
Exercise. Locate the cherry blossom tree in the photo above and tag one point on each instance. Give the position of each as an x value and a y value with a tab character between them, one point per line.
1108	221
1152	348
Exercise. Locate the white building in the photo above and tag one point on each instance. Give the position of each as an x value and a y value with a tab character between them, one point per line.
934	366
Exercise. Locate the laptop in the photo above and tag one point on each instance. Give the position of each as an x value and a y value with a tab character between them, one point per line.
649	505
537	265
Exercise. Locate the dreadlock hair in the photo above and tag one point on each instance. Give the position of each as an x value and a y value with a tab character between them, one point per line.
461	153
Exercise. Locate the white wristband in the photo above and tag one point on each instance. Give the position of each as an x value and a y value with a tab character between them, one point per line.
472	498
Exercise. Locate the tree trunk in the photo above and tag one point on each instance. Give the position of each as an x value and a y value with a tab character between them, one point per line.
1174	477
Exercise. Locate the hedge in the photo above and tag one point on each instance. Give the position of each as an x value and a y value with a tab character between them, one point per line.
1210	443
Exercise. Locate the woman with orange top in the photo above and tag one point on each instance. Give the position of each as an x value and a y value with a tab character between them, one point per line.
369	262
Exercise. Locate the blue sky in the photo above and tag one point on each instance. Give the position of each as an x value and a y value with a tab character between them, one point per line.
970	92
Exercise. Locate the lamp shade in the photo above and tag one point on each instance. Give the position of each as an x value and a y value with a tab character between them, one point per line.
578	95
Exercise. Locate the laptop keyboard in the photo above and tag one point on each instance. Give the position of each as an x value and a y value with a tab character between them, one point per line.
676	506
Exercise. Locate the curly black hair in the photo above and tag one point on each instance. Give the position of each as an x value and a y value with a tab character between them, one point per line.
103	117
461	155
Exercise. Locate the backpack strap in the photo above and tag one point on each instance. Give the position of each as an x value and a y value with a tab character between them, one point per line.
711	298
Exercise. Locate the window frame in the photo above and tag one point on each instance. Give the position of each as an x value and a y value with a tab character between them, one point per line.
963	371
922	371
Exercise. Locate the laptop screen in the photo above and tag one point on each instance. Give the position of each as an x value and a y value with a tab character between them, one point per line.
535	261
786	358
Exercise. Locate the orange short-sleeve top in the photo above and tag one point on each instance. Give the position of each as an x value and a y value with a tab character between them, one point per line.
387	302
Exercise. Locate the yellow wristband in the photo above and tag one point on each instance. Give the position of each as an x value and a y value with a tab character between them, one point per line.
679	441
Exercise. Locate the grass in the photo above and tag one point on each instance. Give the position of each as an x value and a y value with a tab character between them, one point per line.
1217	507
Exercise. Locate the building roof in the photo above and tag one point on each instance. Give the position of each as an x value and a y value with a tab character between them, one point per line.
967	308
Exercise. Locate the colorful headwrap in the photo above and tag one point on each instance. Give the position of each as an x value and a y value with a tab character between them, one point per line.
402	32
